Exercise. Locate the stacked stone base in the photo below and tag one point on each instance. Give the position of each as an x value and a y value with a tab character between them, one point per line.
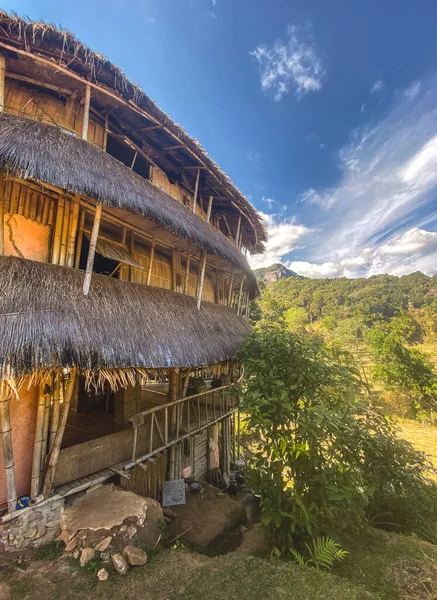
32	527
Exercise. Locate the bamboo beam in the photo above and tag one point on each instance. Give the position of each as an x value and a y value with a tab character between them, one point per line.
2	215
64	236
240	293
37	445
80	238
237	235
200	282
56	409
231	285
105	131
56	248
152	256
92	249
8	453
208	212
2	81
71	241
54	455
86	112
187	269
196	189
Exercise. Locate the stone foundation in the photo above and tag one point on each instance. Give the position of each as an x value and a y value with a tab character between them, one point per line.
32	527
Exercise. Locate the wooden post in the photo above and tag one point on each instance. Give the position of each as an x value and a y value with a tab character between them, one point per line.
202	268
237	235
132	251
2	81
86	112
196	188
56	409
54	455
80	238
247	307
152	256
45	432
37	445
208	212
92	249
105	132
56	247
8	454
72	231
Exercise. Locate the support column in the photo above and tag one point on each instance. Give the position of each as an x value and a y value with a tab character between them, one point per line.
86	112
201	279
8	454
2	81
92	249
196	189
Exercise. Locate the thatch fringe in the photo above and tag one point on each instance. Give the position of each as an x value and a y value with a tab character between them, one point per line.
66	49
31	149
117	332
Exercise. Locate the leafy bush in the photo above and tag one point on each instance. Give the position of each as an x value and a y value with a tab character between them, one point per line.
320	453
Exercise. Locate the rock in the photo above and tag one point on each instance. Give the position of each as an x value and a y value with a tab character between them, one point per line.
76	554
135	556
19	540
104	544
169	513
81	535
102	574
120	564
87	554
131	531
122	529
31	533
72	544
41	531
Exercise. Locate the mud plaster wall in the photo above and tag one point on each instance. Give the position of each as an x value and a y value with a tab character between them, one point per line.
25	238
23	419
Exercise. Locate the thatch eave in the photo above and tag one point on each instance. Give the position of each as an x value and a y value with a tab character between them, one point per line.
46	322
45	153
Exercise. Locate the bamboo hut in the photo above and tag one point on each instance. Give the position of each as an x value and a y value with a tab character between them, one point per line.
124	283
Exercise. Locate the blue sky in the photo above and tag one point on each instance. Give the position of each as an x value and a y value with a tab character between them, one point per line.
323	113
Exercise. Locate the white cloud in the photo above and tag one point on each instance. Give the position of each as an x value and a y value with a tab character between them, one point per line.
413	90
377	86
363	107
283	238
380	216
290	65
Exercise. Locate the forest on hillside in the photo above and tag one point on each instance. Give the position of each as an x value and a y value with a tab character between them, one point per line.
385	325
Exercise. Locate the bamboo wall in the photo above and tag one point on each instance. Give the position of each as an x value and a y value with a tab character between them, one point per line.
34	103
160	180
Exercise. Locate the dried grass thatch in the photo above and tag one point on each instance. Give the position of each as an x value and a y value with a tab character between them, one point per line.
62	47
47	322
31	149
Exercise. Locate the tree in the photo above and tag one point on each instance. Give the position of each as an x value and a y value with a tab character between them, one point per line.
296	318
404	370
320	452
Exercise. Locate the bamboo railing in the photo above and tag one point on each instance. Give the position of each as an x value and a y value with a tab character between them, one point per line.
171	423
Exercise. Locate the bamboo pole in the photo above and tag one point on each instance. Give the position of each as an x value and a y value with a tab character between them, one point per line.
105	132
2	215
51	212
237	235
45	212
54	455
132	251
56	409
201	279
196	189
92	249
64	236
72	231
86	112
240	293
80	238
208	212
56	248
187	268
37	445
2	81
45	433
8	453
231	286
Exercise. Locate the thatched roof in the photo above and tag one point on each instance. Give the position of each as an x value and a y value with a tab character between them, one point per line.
46	321
31	149
61	47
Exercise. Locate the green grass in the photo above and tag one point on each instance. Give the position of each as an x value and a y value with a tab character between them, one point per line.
49	551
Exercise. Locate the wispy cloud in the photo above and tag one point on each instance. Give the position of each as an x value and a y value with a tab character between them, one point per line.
283	237
381	214
377	86
290	65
